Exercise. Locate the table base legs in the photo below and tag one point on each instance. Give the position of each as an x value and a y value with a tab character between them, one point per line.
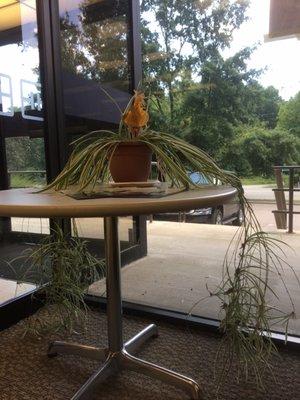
119	356
123	359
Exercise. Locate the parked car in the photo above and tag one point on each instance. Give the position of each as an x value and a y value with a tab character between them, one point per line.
227	213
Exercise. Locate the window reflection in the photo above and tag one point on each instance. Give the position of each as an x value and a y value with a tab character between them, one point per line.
22	154
21	108
20	90
94	51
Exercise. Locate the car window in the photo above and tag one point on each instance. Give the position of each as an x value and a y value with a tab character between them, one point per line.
196	177
199	178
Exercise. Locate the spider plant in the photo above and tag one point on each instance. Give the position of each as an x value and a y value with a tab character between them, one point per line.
245	291
69	268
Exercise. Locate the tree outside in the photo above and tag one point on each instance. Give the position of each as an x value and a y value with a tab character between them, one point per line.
289	115
215	103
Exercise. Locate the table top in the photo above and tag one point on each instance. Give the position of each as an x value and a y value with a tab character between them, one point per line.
26	203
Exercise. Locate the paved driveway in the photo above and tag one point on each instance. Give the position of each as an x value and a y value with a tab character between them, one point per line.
265	194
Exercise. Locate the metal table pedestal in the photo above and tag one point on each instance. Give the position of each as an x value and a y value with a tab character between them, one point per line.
118	355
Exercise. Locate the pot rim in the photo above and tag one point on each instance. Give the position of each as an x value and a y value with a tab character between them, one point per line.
132	143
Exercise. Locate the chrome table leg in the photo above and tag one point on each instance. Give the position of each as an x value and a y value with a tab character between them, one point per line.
133	344
109	368
75	349
117	355
155	371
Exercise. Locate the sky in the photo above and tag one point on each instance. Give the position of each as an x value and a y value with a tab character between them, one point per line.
281	57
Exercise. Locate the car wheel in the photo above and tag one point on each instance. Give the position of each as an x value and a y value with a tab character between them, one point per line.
240	219
217	217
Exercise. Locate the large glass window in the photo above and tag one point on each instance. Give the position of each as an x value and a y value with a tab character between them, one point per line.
21	108
216	82
22	151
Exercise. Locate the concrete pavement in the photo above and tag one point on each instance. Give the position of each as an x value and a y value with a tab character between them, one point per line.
263	211
265	194
183	259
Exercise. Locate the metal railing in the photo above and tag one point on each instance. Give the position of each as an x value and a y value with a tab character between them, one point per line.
285	209
32	172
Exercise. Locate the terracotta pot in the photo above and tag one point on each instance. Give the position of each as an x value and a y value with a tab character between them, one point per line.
131	162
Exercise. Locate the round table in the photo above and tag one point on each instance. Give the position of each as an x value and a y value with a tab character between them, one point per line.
118	355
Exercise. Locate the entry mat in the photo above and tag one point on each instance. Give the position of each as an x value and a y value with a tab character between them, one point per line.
26	373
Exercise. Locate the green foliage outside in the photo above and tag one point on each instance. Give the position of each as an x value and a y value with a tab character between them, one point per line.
214	103
255	150
25	155
289	116
27	180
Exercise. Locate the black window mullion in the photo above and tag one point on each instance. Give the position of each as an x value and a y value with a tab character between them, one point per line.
135	46
5	224
4	179
135	59
52	93
48	19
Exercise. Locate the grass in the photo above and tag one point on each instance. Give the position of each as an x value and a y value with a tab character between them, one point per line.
23	181
258	180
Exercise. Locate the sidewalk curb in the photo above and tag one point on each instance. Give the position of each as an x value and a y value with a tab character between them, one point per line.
267	201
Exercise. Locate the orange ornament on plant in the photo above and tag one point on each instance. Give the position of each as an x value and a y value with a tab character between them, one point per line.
137	116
